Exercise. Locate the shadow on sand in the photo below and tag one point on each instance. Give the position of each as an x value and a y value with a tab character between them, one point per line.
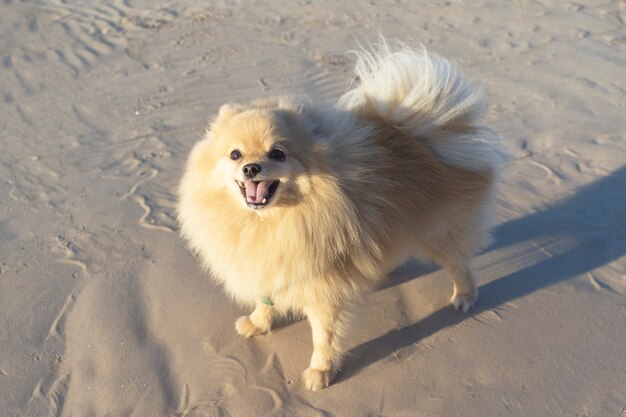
593	225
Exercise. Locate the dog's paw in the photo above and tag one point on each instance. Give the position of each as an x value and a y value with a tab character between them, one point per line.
246	328
316	380
464	300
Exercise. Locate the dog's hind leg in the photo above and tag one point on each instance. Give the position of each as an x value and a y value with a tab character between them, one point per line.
259	322
457	266
465	291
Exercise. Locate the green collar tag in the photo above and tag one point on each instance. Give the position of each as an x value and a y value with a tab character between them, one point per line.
267	300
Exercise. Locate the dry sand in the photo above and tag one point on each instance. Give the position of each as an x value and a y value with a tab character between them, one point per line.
104	313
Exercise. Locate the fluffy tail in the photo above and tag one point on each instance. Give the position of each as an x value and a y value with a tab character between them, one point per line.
427	97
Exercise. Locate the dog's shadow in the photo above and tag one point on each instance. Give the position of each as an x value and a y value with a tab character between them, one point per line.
592	223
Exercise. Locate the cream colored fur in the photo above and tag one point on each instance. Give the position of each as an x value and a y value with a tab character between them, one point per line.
399	168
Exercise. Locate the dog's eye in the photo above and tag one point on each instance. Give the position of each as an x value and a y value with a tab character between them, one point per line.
277	154
234	155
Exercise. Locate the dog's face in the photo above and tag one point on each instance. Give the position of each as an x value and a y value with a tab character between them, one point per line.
258	156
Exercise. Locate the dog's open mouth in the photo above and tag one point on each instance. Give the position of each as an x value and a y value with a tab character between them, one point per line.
258	193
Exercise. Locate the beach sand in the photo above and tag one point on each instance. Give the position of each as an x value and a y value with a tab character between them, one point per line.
103	312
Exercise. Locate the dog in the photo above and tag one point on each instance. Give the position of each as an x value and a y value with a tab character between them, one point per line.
301	207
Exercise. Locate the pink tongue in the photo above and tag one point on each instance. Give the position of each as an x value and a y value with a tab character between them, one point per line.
256	192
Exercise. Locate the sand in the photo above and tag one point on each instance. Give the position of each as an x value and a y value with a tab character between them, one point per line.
103	312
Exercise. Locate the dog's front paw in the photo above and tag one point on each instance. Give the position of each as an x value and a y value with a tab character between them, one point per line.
315	380
246	328
464	300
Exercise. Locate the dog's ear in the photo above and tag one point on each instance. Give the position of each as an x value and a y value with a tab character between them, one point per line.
228	110
225	113
223	117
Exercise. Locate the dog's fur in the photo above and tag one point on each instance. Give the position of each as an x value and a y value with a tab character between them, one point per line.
399	167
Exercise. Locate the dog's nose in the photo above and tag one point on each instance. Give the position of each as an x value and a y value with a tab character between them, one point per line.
251	170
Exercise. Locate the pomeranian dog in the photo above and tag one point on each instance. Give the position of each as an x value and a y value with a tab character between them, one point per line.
304	208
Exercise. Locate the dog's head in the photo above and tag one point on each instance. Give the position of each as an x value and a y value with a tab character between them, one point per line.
259	154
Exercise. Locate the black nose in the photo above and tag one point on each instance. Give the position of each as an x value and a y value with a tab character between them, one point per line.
251	170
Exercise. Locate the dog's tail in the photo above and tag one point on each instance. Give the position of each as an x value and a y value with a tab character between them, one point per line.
427	97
